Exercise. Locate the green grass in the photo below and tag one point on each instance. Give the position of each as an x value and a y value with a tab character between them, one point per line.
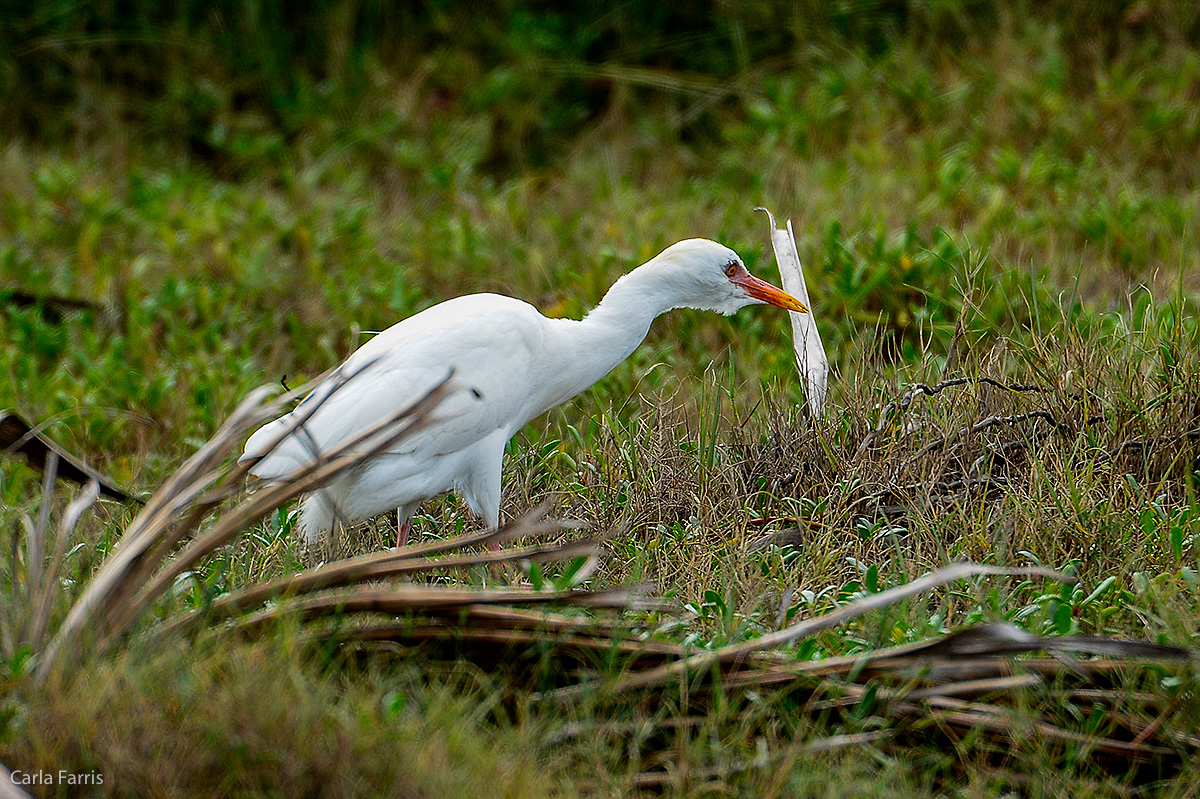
1035	189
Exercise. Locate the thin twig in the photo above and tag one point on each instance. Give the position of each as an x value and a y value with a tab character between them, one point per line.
902	404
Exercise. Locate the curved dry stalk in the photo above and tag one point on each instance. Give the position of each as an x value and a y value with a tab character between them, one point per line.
982	652
506	619
463	632
734	654
411	560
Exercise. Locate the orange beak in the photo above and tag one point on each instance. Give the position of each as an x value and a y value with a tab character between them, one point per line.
764	291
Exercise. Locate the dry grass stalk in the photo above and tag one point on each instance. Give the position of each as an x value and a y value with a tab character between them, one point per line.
405	422
40	618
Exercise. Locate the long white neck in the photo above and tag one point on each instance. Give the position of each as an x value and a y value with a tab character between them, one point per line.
579	353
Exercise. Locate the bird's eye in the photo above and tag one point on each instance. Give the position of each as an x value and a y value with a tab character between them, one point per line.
731	269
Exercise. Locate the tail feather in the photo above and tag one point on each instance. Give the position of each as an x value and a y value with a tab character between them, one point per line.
316	518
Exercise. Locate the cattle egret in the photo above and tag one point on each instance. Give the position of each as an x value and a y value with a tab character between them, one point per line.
511	363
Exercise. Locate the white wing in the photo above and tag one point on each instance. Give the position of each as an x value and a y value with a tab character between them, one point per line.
490	341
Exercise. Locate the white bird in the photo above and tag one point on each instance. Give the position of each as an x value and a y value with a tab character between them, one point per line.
513	364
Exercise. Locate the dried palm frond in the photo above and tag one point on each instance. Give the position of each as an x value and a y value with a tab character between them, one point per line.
18	437
406	562
735	654
969	681
166	540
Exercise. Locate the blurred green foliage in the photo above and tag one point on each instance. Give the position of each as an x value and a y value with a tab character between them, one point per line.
237	80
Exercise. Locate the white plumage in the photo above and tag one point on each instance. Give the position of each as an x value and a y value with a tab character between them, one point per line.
511	365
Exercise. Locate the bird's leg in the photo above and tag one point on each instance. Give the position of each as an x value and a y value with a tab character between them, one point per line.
402	533
508	571
498	570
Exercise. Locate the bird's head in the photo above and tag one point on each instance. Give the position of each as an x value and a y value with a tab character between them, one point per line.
710	276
